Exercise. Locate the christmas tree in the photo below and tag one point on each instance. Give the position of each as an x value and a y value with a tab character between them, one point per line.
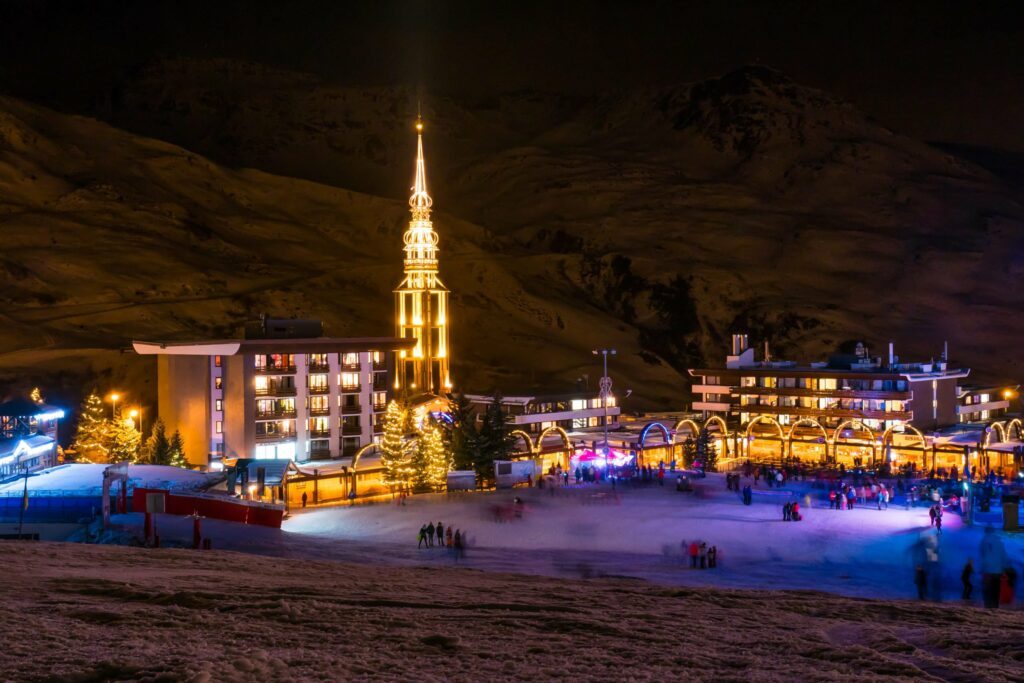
394	456
689	452
93	434
124	440
432	461
707	452
176	449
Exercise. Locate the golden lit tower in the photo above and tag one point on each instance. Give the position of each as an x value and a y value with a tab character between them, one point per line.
421	301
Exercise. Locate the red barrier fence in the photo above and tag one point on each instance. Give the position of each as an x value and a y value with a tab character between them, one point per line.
214	507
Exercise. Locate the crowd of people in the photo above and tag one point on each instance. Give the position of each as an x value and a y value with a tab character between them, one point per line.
701	556
452	540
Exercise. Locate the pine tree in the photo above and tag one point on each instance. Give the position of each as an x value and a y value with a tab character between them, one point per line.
157	449
176	451
495	441
124	439
394	456
707	453
689	452
432	460
462	435
93	433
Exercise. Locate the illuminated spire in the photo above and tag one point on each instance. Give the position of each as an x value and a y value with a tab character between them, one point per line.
420	201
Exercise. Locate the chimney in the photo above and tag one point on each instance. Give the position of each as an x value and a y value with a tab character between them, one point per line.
892	358
740	342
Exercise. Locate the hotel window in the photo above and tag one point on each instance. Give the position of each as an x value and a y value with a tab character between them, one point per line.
350	360
318	382
579	404
349	380
827	383
218	382
220	427
319	404
219	405
216	361
380	400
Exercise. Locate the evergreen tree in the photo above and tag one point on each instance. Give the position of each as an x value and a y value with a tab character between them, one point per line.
124	440
176	451
432	460
93	433
462	435
707	452
394	455
689	452
496	443
157	449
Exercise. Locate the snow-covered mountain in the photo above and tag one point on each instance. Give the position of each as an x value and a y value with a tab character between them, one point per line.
657	220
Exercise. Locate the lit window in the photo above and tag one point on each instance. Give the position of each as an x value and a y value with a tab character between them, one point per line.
350	359
216	361
218	382
220	405
220	427
350	380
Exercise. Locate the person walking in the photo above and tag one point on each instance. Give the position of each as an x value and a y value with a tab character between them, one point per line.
430	535
931	515
785	512
938	519
832	504
440	535
993	562
422	537
794	512
850	497
965	579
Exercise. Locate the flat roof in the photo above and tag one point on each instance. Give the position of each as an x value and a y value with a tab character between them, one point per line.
867	373
234	347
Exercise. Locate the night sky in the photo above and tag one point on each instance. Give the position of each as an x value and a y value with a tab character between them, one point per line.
948	72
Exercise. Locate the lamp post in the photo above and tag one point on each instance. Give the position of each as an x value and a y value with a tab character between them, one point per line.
136	413
114	397
606	389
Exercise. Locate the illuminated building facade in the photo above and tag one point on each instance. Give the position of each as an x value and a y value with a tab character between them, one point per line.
421	301
28	436
301	398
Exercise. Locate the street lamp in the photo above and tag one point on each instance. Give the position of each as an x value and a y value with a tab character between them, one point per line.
114	398
136	413
606	390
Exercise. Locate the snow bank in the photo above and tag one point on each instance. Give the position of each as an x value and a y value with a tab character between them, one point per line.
87	478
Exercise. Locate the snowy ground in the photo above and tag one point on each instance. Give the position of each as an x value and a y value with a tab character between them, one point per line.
87	478
585	532
78	612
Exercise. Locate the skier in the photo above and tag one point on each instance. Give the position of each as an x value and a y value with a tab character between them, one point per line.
965	578
430	535
440	535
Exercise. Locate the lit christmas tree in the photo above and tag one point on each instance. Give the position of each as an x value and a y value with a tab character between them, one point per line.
124	440
93	435
176	449
433	459
394	456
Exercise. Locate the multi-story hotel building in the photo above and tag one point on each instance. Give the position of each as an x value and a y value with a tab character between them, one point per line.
286	394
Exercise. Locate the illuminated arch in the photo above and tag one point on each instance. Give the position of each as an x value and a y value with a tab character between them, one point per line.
810	422
355	462
724	430
887	435
694	429
525	437
1020	429
765	418
652	425
994	427
539	446
836	435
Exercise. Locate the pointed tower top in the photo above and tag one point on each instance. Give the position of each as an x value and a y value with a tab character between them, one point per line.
420	200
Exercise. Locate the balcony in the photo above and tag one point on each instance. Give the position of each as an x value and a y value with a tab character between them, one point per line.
320	412
351	409
865	394
380	366
275	414
277	436
320	433
275	369
843	413
276	389
319	389
319	451
318	368
351	388
380	382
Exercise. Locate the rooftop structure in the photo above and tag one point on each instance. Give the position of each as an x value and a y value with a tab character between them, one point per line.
28	436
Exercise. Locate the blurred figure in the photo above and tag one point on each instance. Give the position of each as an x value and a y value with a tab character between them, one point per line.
993	562
965	579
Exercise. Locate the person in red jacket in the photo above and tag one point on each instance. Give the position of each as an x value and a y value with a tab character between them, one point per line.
694	552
